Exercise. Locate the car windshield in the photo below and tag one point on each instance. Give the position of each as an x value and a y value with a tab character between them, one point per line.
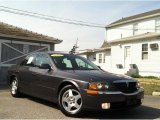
72	62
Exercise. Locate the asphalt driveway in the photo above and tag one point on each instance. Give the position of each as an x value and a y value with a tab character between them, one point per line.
34	108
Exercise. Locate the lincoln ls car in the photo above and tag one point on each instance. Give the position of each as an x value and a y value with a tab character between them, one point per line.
73	82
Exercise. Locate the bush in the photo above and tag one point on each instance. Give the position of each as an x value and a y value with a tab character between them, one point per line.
149	77
136	76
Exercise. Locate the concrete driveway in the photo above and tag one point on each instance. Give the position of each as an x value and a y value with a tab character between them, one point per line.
34	108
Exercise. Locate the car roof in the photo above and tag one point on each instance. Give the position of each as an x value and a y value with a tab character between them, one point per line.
56	52
53	52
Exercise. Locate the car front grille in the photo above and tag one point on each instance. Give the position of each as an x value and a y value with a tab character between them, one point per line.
125	86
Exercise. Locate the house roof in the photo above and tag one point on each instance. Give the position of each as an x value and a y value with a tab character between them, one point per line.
105	44
149	35
103	49
85	51
88	51
9	31
134	18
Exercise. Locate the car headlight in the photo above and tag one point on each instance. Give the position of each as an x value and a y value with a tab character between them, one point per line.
97	86
138	85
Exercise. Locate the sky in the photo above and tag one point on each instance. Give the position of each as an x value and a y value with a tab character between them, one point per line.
100	12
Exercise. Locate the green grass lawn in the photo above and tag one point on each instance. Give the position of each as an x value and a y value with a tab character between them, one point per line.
149	85
149	88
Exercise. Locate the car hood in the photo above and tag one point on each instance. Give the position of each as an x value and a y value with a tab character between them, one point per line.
96	75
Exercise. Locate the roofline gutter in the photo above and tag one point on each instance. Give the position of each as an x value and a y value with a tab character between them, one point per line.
132	20
102	49
134	39
96	50
9	37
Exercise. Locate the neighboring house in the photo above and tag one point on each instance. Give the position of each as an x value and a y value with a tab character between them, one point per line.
101	57
16	43
134	42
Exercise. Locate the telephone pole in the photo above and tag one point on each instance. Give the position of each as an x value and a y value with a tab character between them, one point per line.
74	49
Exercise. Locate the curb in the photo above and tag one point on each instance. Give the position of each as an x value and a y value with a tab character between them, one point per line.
156	93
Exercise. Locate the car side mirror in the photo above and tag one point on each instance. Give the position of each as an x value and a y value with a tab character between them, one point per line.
46	66
99	67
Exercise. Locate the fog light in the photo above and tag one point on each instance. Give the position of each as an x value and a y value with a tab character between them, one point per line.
105	105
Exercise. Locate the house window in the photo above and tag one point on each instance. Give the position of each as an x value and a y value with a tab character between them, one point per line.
100	58
157	25
104	58
144	51
135	29
127	51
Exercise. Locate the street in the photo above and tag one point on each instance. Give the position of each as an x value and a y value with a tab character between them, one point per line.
34	108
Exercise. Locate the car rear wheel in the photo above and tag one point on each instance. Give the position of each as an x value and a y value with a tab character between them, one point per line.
70	101
14	87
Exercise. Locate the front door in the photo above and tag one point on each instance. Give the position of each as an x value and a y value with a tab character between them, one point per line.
43	82
25	73
127	56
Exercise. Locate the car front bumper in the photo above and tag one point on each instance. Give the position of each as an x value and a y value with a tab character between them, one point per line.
115	99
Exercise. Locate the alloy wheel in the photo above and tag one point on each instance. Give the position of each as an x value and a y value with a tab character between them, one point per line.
71	101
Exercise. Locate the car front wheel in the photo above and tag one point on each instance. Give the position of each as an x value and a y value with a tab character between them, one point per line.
70	101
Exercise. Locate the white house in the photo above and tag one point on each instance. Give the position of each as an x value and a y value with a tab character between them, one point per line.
132	45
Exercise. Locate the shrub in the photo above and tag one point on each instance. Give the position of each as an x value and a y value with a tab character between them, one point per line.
149	77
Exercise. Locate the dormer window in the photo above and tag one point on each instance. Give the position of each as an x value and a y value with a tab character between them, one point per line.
135	28
157	25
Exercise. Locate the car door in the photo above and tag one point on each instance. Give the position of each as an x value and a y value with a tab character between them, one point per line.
25	73
43	82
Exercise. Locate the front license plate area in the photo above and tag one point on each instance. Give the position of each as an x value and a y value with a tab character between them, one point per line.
131	100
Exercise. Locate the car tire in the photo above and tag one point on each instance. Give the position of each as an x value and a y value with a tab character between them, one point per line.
70	101
15	88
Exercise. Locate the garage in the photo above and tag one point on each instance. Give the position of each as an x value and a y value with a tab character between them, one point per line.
16	43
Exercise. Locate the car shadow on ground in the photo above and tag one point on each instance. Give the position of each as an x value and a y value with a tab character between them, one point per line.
142	112
41	101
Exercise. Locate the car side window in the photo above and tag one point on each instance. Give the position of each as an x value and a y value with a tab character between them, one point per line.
82	64
29	61
67	63
41	59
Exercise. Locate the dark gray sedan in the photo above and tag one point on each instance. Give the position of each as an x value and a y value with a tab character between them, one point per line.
73	82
